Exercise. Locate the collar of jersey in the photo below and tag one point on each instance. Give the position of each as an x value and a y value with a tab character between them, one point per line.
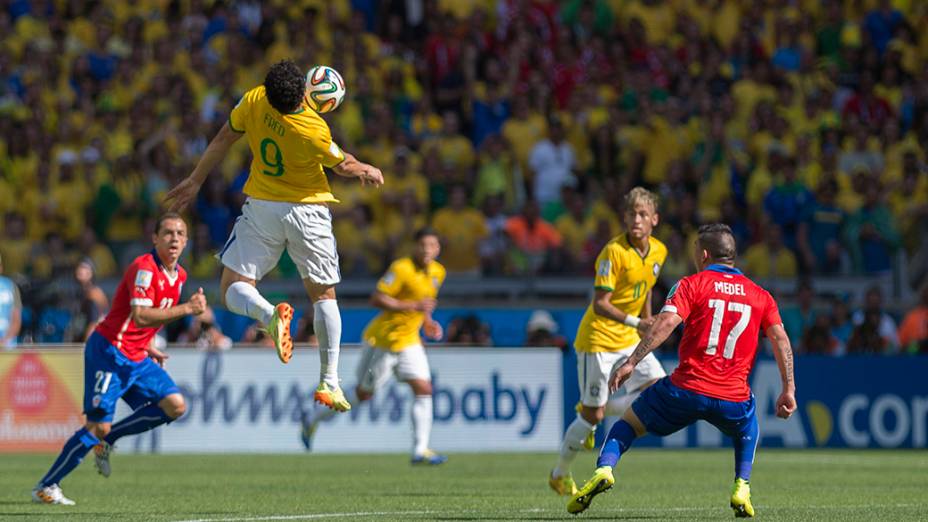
154	254
724	269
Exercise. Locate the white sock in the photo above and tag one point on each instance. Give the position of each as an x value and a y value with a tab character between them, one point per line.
616	407
571	445
322	412
244	299
421	423
327	323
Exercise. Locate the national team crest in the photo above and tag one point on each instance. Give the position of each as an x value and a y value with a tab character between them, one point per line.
96	401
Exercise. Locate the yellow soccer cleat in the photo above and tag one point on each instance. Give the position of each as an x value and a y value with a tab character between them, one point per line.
563	486
741	499
601	481
331	397
279	330
589	443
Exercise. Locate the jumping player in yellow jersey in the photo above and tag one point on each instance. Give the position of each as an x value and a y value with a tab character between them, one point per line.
620	312
406	295
287	206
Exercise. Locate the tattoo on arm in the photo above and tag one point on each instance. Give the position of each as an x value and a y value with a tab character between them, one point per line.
643	349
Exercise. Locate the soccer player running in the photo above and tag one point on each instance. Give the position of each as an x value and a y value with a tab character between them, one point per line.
120	362
626	271
287	207
406	295
724	312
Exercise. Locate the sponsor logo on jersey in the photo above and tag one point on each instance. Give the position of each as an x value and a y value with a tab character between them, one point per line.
605	266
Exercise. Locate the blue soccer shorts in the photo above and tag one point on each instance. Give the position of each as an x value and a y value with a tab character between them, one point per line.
109	375
664	408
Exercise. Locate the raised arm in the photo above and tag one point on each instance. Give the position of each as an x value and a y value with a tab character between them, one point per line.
350	167
184	193
663	326
783	353
149	317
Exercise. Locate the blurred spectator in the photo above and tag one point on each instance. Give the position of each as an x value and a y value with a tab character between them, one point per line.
204	334
866	337
841	324
541	330
15	246
493	248
461	229
820	231
305	331
535	240
93	303
871	233
468	330
104	264
770	258
799	316
819	339
913	332
873	320
496	173
787	203
552	162
11	310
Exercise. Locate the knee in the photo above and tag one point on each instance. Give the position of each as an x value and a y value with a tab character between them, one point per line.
592	415
99	429
173	405
421	388
363	395
320	292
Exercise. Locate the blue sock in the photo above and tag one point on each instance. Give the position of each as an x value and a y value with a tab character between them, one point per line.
745	445
140	421
618	441
71	455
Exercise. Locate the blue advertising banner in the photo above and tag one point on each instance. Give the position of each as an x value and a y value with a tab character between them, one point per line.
856	402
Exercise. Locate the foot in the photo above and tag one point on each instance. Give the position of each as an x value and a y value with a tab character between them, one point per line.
741	499
601	481
308	430
101	458
331	397
50	495
430	458
279	330
563	486
589	443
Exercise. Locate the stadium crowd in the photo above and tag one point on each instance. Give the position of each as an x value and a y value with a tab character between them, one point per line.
514	127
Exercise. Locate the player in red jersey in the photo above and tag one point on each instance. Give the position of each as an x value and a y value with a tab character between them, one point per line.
724	312
119	361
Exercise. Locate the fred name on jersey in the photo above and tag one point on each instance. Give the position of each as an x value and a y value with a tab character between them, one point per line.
724	287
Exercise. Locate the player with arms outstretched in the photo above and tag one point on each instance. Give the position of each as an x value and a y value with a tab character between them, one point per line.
626	271
724	313
120	362
406	297
287	207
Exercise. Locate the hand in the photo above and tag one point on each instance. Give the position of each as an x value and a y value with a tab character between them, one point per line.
197	303
620	376
426	305
182	195
645	324
158	356
432	330
786	404
371	175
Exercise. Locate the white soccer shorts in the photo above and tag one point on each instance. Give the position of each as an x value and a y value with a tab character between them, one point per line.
265	228
378	365
595	368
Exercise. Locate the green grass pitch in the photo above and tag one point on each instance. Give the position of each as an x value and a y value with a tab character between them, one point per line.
652	484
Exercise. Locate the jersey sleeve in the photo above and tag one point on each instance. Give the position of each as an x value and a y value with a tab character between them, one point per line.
608	267
323	148
680	298
141	278
771	313
391	282
239	113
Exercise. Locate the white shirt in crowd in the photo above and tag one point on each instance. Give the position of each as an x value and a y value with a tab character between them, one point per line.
553	166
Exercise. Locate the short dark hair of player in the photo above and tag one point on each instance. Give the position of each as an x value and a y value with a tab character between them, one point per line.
718	240
167	216
425	232
285	86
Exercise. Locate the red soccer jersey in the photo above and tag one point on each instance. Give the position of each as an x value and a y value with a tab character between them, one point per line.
146	283
723	313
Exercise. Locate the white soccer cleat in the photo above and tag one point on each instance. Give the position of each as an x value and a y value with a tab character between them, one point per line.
50	495
101	458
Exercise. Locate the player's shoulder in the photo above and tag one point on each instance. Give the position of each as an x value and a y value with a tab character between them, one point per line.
658	248
755	289
255	94
617	245
143	269
402	265
437	269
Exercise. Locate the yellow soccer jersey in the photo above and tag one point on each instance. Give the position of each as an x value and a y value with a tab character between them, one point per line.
396	331
630	277
289	150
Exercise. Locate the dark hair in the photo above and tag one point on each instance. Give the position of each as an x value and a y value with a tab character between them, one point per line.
424	232
165	217
285	86
718	240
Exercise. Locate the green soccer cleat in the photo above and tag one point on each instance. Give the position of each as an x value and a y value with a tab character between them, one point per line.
279	330
563	486
331	397
741	499
601	481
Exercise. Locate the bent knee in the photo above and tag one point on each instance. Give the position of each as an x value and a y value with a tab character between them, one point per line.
173	405
363	395
592	415
99	429
421	388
